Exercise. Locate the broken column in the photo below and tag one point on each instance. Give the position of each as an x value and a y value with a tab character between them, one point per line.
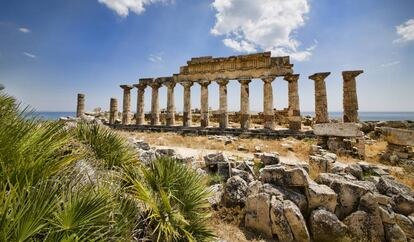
268	114
113	110
140	115
244	104
321	102
126	104
155	103
80	107
224	119
187	115
350	98
295	121
170	102
204	113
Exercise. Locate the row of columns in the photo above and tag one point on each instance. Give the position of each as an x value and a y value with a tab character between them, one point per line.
350	99
204	112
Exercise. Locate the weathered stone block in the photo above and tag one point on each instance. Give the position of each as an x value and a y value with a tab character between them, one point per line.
395	136
338	129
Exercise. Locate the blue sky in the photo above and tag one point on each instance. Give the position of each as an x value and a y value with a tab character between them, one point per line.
52	49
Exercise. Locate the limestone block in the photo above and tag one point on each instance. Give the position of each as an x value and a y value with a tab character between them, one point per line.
257	214
326	227
296	221
280	225
284	176
321	196
338	129
395	136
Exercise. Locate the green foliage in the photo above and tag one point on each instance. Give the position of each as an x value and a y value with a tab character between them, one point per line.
215	178
106	145
175	198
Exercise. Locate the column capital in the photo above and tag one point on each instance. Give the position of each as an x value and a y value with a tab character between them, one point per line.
348	75
204	83
320	76
187	84
169	84
268	79
244	81
155	84
140	86
291	77
222	82
126	87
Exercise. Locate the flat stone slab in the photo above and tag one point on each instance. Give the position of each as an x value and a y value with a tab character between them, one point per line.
398	136
338	129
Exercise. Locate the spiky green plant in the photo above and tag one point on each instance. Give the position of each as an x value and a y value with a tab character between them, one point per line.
106	145
175	198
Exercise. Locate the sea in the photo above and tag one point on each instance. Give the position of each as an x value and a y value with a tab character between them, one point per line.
363	116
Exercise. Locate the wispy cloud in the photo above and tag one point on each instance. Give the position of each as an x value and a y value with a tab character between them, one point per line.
392	63
405	31
24	30
30	55
156	58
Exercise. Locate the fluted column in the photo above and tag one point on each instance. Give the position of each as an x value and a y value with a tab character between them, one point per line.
269	116
170	103
80	106
140	115
293	92
113	110
187	115
126	104
155	103
244	104
321	102
350	98
224	118
204	103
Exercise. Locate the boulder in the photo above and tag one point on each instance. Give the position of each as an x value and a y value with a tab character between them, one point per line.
322	164
246	176
326	227
257	214
296	221
212	159
389	186
348	191
403	204
235	192
218	162
165	152
406	225
403	137
284	176
147	156
394	233
269	159
360	227
140	144
292	164
284	193
280	225
387	215
355	170
320	196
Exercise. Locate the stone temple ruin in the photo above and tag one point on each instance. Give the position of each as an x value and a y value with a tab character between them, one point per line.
243	68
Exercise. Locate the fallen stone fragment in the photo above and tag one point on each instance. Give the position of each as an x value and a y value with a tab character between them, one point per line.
257	214
394	233
296	221
284	176
280	225
269	159
403	204
326	227
360	227
235	192
320	196
406	225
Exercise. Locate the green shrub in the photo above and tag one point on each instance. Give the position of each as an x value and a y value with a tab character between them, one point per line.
175	198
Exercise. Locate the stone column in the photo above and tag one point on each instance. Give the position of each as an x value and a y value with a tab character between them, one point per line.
155	103
126	104
113	110
224	118
80	106
321	102
244	104
170	103
140	115
292	79
187	116
204	103
350	98
268	113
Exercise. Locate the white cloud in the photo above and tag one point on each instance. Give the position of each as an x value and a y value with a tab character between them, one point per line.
29	55
405	31
25	30
156	58
122	7
270	25
392	63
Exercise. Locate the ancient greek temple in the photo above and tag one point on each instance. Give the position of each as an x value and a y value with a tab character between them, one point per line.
203	71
